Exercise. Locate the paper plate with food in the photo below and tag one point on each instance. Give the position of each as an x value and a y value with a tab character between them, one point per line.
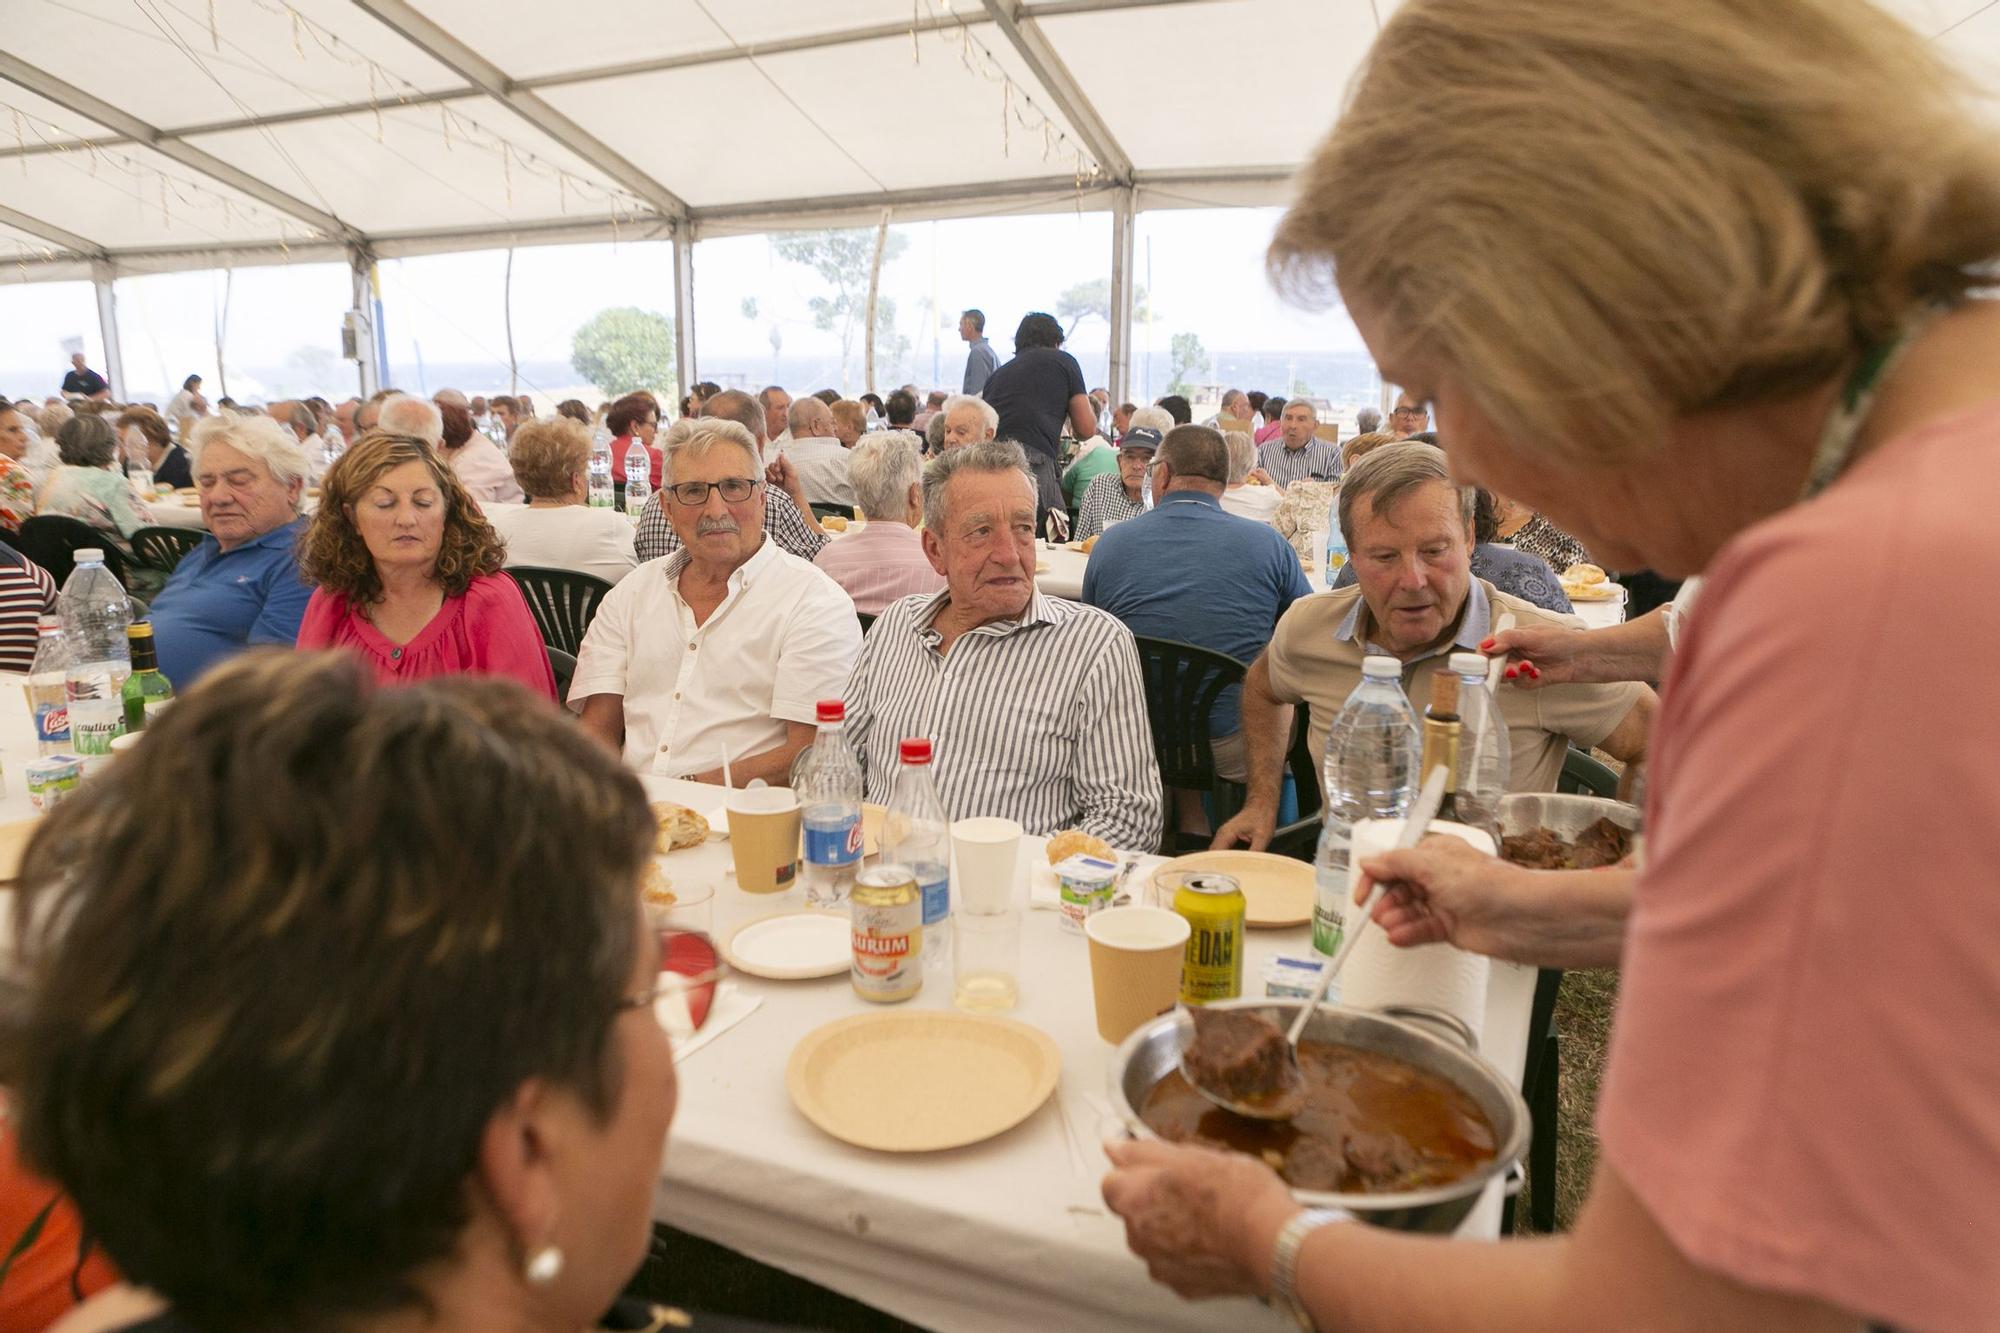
1587	583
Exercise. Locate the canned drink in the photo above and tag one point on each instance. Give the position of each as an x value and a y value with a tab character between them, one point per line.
1213	905
1084	886
887	912
52	778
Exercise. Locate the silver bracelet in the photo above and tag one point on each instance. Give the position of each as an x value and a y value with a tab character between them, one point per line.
1285	1260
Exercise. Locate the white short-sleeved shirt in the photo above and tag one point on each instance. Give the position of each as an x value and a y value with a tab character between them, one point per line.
1259	504
784	638
590	541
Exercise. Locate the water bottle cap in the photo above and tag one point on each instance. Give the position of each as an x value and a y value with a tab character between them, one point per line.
1381	666
88	555
915	750
1469	664
831	710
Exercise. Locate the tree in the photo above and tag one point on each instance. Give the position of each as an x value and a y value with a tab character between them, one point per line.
1189	357
842	259
623	349
1094	298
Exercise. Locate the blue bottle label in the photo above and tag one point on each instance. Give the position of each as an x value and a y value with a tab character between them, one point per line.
937	899
836	846
52	722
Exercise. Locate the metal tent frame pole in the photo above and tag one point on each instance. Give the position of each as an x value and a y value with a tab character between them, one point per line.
107	322
1124	215
684	372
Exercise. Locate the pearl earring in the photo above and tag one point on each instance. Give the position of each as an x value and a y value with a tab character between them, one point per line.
544	1265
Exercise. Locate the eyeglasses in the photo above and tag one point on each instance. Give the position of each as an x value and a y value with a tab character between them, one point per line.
689	967
693	494
1407	412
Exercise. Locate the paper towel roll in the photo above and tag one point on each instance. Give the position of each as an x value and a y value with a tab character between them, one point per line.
1437	976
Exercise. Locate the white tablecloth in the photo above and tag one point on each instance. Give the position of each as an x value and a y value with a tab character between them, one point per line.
979	1238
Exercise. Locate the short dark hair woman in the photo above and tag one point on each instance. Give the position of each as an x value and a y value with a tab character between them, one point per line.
400	1063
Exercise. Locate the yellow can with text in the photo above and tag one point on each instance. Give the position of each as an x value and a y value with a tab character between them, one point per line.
1213	905
887	913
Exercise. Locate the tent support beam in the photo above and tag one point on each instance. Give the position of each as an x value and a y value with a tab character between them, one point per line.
684	374
54	235
72	98
107	323
361	265
404	20
1021	30
1124	212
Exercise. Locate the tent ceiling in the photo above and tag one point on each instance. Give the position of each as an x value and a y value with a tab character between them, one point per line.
132	131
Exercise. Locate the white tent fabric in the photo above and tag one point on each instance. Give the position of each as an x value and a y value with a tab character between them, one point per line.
147	134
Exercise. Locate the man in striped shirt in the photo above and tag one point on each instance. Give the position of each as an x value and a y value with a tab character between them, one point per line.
788	517
1298	454
1035	705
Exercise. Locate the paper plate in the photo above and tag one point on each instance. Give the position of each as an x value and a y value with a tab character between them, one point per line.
1277	891
921	1080
792	946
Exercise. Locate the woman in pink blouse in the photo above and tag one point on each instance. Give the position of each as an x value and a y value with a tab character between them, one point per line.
408	572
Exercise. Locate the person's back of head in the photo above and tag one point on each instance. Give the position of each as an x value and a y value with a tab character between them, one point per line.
902	409
1152	418
1037	329
573	408
935	399
1358	448
828	396
809	418
1197	457
1242	455
1177	408
735	405
1367	421
882	468
404	415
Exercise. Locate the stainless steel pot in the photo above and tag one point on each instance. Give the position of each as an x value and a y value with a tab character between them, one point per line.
1152	1052
1566	816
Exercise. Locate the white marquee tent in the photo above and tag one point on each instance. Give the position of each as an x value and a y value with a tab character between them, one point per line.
142	136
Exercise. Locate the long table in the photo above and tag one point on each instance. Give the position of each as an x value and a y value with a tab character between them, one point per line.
999	1236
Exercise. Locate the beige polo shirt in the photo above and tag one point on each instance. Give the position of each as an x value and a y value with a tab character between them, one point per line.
1315	658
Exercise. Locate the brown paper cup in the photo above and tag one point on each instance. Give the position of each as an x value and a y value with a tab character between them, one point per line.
1135	965
764	839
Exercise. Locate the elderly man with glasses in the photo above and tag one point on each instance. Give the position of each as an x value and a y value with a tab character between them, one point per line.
724	646
1409	417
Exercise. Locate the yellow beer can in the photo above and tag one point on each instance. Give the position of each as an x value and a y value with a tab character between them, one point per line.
1212	904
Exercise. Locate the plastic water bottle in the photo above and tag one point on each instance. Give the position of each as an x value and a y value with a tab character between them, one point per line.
1483	749
1370	772
916	834
832	803
95	614
638	477
48	692
1336	545
600	474
1146	486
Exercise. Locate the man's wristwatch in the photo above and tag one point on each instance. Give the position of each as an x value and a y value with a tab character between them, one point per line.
1285	1260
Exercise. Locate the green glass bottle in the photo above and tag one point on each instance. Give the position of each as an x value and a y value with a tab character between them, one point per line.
147	690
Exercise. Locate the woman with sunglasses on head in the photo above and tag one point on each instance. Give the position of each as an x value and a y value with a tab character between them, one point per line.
398	1070
408	572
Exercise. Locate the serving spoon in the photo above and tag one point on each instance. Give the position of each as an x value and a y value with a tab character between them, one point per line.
1287	1100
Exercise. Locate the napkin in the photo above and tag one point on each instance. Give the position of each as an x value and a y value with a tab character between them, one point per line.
1435	976
732	1005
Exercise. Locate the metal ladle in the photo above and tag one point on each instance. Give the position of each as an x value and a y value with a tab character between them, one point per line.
1286	1101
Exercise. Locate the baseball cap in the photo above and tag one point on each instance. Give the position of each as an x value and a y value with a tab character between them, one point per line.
1144	437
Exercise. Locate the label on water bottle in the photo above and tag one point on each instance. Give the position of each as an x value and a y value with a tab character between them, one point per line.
52	723
1329	901
839	845
936	893
95	724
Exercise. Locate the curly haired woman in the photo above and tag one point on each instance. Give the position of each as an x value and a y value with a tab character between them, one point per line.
408	572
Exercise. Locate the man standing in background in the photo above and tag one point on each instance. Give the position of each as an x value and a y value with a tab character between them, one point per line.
980	360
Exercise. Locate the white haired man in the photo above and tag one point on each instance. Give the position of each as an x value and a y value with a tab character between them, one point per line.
968	420
816	454
1034	704
883	559
788	516
727	644
1298	454
241	586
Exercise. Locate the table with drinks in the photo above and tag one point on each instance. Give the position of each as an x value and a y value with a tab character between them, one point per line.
1004	1230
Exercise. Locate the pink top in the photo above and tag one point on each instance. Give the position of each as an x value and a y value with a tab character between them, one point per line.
1265	434
878	563
1804	1086
488	631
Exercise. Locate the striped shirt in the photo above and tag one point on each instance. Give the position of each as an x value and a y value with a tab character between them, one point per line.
1040	720
27	593
782	524
1104	503
1318	461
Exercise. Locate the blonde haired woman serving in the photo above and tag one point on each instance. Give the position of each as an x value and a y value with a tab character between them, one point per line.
1717	321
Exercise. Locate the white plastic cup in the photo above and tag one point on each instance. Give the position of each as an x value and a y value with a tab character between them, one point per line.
988	852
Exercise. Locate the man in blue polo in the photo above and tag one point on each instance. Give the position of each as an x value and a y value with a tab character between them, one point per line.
1187	570
240	587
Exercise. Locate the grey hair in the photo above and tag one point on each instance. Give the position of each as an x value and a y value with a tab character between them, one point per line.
301	417
934	433
1151	418
1242	455
984	456
403	415
674	436
1291	403
709	432
86	441
1387	474
254	437
882	467
989	413
1367	421
807	412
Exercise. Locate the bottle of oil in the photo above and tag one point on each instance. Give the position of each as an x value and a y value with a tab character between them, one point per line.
1442	730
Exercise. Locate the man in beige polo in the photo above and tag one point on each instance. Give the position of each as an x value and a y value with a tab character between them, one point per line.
1409	534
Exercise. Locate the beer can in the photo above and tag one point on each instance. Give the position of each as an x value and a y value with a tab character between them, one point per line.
1213	905
887	914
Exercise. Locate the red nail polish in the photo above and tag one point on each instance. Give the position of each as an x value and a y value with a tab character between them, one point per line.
1486	644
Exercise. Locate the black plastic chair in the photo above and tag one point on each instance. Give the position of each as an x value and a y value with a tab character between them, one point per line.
563	602
867	622
1182	683
564	665
52	541
164	548
1585	776
833	511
